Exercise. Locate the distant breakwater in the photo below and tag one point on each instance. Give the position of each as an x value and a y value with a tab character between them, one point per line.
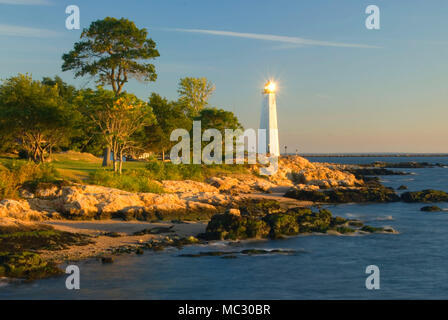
366	155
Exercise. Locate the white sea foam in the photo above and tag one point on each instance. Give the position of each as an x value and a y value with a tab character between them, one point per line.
385	218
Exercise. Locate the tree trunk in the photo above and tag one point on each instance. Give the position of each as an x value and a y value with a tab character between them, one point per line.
106	157
115	162
121	162
163	155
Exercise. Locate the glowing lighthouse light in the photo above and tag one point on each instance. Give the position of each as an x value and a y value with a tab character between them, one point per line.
269	143
270	87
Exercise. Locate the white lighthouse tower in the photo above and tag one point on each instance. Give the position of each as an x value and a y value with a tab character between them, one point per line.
268	122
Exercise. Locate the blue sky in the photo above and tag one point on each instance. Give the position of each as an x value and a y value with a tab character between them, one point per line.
343	89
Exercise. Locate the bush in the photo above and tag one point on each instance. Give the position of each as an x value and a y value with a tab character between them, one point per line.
158	170
132	181
16	173
168	171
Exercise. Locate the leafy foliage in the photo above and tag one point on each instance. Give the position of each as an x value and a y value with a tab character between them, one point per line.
17	173
170	115
36	114
194	93
112	49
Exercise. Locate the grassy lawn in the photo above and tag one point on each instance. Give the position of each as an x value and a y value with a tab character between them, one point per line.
76	166
80	168
138	176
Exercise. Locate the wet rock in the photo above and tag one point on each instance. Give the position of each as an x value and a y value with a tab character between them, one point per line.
402	187
345	195
402	165
428	195
112	234
156	230
26	265
361	172
430	209
107	260
232	227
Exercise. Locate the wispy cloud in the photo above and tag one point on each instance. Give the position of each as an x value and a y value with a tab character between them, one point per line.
27	2
19	31
297	41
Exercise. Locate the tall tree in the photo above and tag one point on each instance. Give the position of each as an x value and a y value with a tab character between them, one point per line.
170	115
114	50
194	93
36	114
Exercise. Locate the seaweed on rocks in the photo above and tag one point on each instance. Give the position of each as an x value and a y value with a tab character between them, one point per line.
345	195
286	222
427	195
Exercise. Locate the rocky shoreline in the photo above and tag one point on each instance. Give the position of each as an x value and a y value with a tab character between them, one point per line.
68	221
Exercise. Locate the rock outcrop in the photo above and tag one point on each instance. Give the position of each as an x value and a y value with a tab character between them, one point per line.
295	170
82	202
183	199
20	210
241	183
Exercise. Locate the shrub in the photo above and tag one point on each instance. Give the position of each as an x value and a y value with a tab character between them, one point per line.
158	170
132	181
16	173
168	171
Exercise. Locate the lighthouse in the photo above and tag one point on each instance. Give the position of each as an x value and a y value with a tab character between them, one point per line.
269	143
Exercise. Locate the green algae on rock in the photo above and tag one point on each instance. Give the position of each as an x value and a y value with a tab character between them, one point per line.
345	195
430	209
427	195
26	265
286	222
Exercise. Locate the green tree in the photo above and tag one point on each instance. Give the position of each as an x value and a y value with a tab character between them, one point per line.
66	91
117	119
213	118
84	138
114	50
36	114
194	93
170	115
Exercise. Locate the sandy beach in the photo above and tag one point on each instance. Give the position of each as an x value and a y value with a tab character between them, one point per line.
103	244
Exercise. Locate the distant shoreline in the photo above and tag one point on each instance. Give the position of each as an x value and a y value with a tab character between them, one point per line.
367	155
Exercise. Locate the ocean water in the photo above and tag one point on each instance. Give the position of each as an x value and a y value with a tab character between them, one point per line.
413	264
